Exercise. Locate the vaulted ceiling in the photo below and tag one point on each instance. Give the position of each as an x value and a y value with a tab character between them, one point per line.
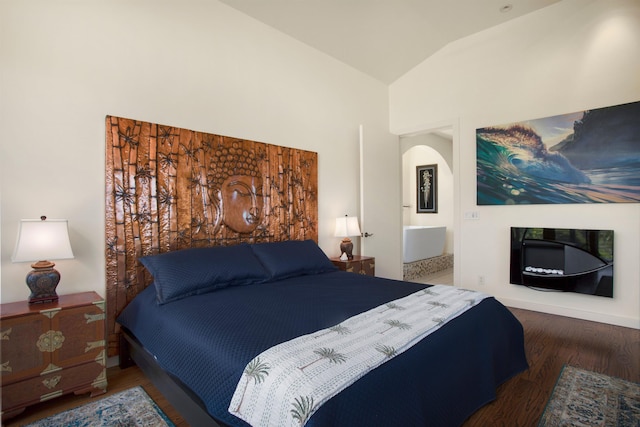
383	38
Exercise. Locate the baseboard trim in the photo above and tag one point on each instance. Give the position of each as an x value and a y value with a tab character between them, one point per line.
627	322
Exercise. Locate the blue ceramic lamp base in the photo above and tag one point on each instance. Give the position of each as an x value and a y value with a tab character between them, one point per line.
42	281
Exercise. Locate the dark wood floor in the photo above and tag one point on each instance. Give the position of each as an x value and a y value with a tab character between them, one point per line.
551	341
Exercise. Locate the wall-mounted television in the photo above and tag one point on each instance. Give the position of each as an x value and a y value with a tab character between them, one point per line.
563	259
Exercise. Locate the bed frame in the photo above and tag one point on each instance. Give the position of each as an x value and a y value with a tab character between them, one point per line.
175	391
165	190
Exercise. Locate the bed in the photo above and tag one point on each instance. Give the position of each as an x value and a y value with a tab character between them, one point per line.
212	259
210	311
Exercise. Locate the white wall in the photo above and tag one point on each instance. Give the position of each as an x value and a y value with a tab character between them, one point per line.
574	55
195	64
428	149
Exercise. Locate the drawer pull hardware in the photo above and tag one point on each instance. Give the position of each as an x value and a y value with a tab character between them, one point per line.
5	367
50	341
52	382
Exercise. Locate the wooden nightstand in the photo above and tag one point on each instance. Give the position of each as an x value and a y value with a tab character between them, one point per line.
51	349
359	264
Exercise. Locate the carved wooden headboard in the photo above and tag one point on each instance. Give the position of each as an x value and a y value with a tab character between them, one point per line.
169	188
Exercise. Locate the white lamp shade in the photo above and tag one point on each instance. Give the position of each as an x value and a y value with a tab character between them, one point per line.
40	240
347	226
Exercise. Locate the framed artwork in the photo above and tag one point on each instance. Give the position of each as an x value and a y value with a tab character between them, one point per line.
427	189
590	156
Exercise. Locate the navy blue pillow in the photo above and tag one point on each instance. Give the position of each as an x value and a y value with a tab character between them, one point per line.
292	258
193	271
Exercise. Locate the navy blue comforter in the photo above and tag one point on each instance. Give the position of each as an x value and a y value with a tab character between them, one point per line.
207	340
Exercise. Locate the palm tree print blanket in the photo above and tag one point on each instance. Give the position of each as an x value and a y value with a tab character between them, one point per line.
286	384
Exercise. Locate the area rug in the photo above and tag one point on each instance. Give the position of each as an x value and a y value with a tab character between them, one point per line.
583	398
129	408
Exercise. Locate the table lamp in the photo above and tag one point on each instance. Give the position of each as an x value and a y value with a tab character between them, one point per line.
346	227
42	240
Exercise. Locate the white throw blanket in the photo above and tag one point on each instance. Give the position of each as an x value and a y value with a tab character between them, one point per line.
287	383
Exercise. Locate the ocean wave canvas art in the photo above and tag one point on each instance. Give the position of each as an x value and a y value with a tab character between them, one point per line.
590	156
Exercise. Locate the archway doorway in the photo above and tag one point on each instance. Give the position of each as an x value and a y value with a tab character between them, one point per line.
428	234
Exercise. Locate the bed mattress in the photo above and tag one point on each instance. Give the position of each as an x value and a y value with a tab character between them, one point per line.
207	340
